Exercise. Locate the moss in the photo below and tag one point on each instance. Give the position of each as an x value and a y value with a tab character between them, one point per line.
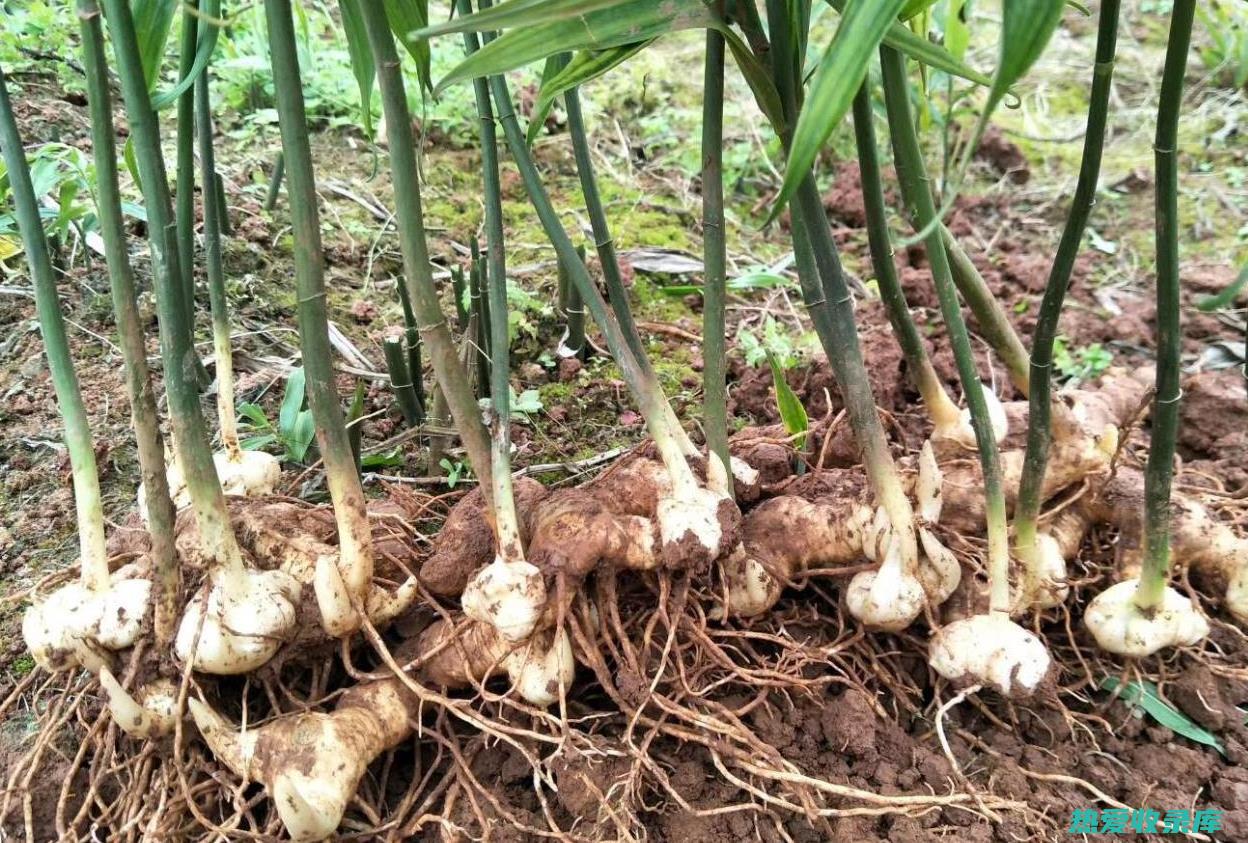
22	665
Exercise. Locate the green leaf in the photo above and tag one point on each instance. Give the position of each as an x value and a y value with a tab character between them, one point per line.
390	459
792	413
617	25
361	58
841	70
292	402
1027	26
301	436
914	7
515	13
153	19
205	43
406	16
255	443
1144	694
546	94
132	163
255	415
742	283
900	37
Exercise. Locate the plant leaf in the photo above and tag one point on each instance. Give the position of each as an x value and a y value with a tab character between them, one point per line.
361	58
1220	300
792	413
301	437
617	25
389	459
1144	694
841	70
585	66
406	16
255	443
153	20
205	43
514	13
255	415
292	402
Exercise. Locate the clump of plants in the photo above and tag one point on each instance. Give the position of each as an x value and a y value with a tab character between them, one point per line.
315	649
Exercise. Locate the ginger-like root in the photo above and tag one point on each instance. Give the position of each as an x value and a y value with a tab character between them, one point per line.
467	653
509	596
990	649
955	428
311	763
1123	628
465	543
246	474
152	714
77	626
239	621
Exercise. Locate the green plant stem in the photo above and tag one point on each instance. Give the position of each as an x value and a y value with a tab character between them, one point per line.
345	491
573	311
275	182
417	272
714	257
184	211
916	189
828	301
506	523
644	386
226	414
401	381
190	434
940	406
480	320
1160	468
411	340
1039	435
94	556
143	413
604	242
994	323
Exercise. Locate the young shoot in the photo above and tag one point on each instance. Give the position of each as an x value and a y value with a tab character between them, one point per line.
80	622
1017	660
242	616
1044	572
244	473
1138	618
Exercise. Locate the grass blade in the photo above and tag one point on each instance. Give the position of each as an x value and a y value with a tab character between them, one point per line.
361	59
407	16
515	13
1144	695
585	66
153	20
838	77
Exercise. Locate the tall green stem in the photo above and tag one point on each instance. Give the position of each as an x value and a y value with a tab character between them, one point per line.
994	323
939	405
915	185
190	434
830	305
1027	510
216	272
507	524
604	243
160	510
94	557
644	386
350	515
1160	468
185	176
417	272
714	256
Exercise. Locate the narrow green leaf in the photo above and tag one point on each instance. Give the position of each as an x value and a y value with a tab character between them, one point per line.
300	438
1027	26
546	99
390	459
841	70
406	16
292	401
792	413
153	20
620	24
254	414
1144	694
515	13
255	443
132	164
361	59
209	32
914	7
758	77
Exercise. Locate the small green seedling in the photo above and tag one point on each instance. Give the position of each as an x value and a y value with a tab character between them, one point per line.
1078	365
295	429
1143	694
454	472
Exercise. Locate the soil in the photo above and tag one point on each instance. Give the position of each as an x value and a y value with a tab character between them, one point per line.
868	717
